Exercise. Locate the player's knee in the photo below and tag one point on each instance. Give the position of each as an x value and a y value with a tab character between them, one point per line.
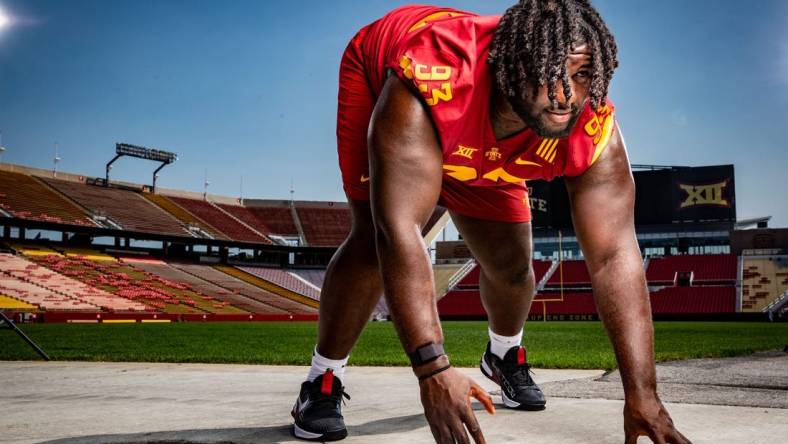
515	274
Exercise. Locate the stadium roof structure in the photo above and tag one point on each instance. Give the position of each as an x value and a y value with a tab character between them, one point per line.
755	222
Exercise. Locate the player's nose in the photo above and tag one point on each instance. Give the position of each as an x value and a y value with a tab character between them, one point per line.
560	96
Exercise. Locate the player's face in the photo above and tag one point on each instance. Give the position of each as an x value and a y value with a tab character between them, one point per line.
552	122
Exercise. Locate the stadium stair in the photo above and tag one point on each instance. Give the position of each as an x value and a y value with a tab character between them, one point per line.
443	275
247	217
220	220
182	215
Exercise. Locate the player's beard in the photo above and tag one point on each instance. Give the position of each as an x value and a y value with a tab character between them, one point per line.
538	124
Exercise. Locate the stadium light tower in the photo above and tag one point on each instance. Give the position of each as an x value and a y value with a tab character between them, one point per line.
125	149
56	160
205	184
2	148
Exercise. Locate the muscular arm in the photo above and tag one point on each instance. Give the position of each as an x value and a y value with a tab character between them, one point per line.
405	179
405	170
603	204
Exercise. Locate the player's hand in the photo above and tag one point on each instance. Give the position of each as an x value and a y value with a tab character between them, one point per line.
446	398
648	417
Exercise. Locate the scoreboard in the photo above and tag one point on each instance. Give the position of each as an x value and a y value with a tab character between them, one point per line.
662	197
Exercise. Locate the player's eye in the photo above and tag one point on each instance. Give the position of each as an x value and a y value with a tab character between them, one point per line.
582	74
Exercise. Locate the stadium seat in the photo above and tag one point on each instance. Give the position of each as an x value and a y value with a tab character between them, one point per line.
707	269
700	299
238	286
247	216
222	297
182	215
23	196
219	220
764	278
324	226
27	271
315	277
285	280
126	208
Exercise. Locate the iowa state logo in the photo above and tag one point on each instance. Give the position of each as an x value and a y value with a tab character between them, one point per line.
709	194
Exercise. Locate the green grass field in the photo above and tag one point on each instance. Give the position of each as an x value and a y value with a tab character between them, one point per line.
550	344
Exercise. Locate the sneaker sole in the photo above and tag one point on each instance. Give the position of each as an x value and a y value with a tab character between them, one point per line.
300	433
510	403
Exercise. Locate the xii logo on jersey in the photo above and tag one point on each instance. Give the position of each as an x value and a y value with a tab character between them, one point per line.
465	151
712	194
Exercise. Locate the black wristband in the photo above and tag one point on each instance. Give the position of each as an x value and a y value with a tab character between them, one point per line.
426	353
434	372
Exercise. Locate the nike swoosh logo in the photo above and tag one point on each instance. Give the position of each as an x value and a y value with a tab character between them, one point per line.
303	405
520	161
364	179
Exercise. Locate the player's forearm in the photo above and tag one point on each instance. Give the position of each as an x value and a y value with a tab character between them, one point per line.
408	286
623	304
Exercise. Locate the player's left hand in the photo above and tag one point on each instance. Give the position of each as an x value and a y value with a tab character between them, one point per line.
648	417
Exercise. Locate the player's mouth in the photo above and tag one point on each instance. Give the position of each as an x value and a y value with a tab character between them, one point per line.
558	117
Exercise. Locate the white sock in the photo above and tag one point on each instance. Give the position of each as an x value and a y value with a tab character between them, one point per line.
499	344
320	364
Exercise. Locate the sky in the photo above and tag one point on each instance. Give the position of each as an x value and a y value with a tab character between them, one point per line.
247	89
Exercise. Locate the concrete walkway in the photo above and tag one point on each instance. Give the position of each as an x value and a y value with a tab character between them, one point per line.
70	402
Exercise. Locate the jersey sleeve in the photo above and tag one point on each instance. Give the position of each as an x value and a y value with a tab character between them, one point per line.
438	66
590	137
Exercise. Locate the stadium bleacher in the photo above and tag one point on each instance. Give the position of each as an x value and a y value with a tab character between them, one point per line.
208	290
247	216
23	196
183	215
278	219
315	277
703	299
572	273
324	227
27	271
442	275
124	280
471	280
219	220
11	304
41	297
285	280
764	278
706	269
241	287
125	208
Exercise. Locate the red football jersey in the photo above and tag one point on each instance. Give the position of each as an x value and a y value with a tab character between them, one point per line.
444	58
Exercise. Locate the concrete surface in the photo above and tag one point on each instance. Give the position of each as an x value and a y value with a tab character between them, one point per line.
69	402
759	380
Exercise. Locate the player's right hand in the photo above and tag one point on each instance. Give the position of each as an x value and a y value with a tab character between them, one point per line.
446	398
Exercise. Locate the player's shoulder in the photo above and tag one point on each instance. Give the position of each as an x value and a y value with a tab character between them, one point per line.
590	136
442	58
456	35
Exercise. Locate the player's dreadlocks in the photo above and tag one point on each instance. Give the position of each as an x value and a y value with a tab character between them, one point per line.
533	39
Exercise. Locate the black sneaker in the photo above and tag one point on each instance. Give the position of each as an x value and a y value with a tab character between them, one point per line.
318	409
512	373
